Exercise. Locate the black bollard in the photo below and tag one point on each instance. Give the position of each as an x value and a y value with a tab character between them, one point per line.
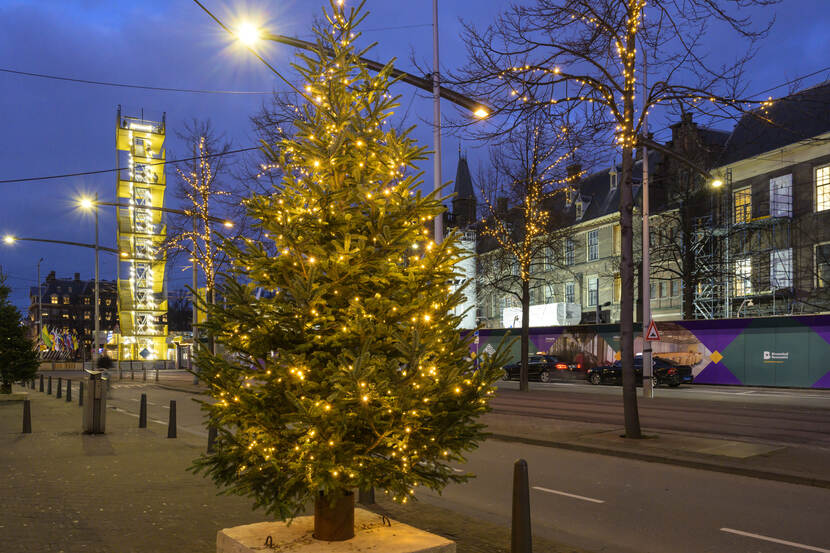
520	536
132	374
144	378
81	393
157	375
171	427
60	388
142	412
41	383
212	432
49	386
68	390
27	417
367	496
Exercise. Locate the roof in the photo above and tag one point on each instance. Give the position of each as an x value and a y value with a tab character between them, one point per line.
463	180
792	119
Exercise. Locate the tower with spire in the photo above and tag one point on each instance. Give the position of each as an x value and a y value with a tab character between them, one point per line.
464	203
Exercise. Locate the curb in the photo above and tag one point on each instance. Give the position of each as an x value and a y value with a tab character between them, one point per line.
676	461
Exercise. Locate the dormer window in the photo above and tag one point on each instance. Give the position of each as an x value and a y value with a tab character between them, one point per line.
613	176
569	196
578	208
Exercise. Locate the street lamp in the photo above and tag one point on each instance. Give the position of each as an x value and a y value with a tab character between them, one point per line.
87	204
39	302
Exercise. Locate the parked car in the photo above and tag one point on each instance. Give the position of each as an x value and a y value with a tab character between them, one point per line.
544	368
665	372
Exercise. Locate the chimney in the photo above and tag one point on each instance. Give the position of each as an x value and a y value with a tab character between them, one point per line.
50	276
77	276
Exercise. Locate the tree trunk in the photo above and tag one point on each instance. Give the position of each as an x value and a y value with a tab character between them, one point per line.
523	386
334	516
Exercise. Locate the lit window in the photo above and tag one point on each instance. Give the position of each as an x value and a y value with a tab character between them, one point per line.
742	201
617	289
109	302
66	300
65	315
593	291
743	277
781	269
822	264
570	295
86	301
823	188
593	245
781	196
616	238
54	299
578	209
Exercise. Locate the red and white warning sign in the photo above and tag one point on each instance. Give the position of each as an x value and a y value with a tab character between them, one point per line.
652	335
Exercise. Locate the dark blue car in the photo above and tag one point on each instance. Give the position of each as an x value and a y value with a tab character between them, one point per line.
664	371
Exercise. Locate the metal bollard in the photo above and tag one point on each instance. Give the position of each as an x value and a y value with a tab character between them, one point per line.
49	386
520	537
41	383
144	378
68	390
366	497
60	387
132	374
142	412
81	393
171	427
27	417
212	432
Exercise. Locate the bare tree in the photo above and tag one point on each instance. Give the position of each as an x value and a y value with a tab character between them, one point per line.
579	58
520	219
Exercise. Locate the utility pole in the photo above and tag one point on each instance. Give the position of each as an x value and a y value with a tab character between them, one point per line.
648	381
97	294
436	120
39	302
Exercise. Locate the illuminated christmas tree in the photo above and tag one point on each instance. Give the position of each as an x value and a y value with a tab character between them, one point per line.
344	366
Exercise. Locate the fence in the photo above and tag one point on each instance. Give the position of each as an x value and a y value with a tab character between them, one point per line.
764	351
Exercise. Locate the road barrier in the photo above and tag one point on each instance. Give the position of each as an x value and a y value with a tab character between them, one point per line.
27	417
142	413
171	427
520	537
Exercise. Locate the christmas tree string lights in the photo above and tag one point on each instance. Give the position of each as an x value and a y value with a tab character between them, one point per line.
350	373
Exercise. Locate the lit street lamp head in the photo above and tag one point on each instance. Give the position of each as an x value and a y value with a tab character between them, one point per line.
8	239
86	203
248	34
717	183
228	224
481	113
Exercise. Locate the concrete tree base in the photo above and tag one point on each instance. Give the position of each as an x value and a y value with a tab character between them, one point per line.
372	535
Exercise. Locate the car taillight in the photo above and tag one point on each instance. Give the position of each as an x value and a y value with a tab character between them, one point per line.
672	371
561	366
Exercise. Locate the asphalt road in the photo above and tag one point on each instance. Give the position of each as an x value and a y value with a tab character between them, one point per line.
615	505
776	416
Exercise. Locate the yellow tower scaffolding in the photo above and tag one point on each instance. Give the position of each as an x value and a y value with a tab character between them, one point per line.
142	309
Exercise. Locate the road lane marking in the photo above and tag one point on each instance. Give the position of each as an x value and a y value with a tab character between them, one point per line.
582	497
775	540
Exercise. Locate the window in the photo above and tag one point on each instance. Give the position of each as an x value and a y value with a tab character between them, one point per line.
593	291
86	315
549	296
662	288
743	277
781	196
742	203
675	287
86	301
781	269
66	300
616	238
617	289
652	289
54	299
593	245
578	209
823	188
109	316
569	251
549	261
570	296
65	315
822	264
109	302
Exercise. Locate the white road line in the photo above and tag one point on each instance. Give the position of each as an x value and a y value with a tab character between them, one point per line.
775	540
582	497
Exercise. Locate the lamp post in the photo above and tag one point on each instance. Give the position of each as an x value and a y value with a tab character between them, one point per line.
39	302
249	33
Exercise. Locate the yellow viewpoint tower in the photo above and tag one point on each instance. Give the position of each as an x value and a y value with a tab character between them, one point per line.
142	298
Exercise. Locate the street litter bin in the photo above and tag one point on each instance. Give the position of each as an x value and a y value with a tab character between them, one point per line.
95	402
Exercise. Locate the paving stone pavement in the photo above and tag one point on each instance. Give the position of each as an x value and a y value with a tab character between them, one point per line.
129	491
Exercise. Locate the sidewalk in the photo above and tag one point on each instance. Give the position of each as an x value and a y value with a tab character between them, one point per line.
129	491
796	464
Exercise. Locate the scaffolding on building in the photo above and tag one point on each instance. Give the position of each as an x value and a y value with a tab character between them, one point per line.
141	229
733	251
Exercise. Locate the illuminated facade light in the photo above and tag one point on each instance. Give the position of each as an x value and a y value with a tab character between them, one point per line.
142	312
